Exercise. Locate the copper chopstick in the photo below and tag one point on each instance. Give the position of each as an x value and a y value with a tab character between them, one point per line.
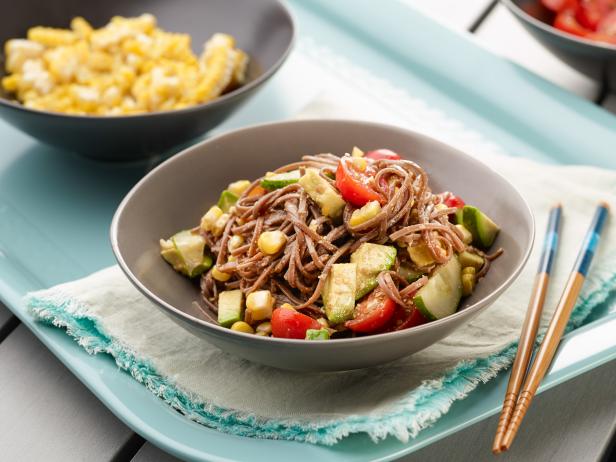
558	323
531	324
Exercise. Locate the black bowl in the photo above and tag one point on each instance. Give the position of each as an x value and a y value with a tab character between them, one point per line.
262	28
595	59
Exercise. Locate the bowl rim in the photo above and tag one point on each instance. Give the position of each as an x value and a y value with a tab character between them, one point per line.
515	9
476	307
232	95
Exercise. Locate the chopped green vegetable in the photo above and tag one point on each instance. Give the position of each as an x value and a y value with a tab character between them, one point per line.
470	259
441	295
483	229
339	292
317	334
371	259
227	200
409	274
230	307
280	180
323	193
185	252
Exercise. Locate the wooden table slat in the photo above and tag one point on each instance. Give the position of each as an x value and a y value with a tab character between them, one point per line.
47	414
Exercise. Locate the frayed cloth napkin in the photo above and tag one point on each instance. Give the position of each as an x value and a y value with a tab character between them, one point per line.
106	314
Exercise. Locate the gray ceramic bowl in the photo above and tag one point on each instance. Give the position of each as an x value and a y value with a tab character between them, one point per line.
174	196
595	59
263	28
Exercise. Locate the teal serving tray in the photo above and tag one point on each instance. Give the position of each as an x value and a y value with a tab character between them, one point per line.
55	208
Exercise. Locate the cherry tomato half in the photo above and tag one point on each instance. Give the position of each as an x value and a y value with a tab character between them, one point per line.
354	185
559	5
589	12
454	201
288	323
566	21
607	25
404	319
372	313
379	154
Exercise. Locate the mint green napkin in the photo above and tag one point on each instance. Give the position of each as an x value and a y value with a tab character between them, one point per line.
106	315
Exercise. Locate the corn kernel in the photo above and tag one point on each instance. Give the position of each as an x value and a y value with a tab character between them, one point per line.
438	207
238	187
235	242
359	163
469	270
220	224
50	36
323	322
356	152
367	212
241	326
271	242
264	328
468	284
219	275
210	218
287	306
81	27
259	305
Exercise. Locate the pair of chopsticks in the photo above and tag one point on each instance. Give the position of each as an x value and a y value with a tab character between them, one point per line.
519	396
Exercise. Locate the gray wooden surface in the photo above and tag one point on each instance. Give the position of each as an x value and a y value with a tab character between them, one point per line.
46	414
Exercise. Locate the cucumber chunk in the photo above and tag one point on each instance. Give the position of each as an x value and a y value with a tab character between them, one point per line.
185	252
227	200
441	295
280	180
229	307
323	193
339	292
483	229
371	259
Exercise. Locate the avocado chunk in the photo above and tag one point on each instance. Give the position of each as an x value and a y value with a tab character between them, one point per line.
230	307
323	193
339	292
317	334
441	295
471	259
185	252
483	229
227	200
371	259
280	180
409	274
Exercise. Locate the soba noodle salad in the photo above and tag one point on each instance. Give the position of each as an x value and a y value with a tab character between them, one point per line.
331	247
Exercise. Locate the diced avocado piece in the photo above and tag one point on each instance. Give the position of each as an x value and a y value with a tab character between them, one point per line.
483	229
409	274
230	307
441	294
371	259
470	259
317	334
367	212
227	200
459	216
339	292
280	180
323	193
421	255
185	252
